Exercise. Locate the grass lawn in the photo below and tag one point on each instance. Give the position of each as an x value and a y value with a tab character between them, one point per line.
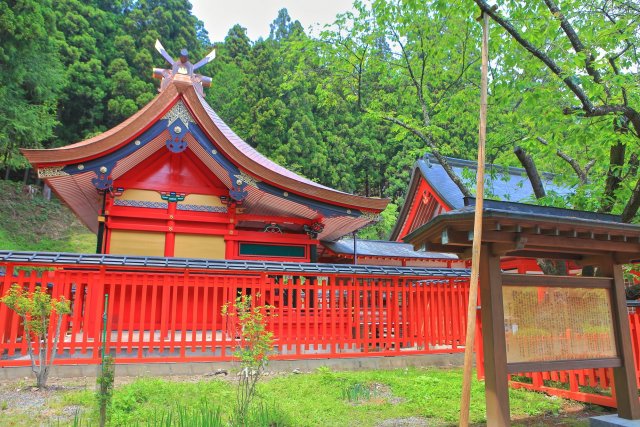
405	397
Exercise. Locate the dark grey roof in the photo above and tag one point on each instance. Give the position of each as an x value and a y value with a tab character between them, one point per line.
124	261
501	183
543	211
383	248
522	211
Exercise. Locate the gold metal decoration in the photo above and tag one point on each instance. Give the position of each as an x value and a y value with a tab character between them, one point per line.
249	180
370	216
179	111
51	172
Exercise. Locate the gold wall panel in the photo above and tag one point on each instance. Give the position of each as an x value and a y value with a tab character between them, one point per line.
141	195
125	242
199	246
554	323
202	200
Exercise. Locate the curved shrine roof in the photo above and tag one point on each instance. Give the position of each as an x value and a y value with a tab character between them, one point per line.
279	190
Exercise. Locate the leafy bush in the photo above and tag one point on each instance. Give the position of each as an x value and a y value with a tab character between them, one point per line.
35	309
249	322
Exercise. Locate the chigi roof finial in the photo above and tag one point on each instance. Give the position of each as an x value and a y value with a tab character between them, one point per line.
182	66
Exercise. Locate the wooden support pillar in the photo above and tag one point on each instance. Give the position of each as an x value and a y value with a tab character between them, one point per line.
493	340
170	236
624	376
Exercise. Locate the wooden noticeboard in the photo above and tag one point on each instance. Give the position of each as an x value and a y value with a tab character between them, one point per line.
537	323
552	320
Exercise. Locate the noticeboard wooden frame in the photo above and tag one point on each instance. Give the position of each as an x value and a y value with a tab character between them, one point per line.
514	229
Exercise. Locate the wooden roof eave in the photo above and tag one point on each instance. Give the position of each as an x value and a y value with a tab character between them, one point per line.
114	138
256	169
108	141
550	237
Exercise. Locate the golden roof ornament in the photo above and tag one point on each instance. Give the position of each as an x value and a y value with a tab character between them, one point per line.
183	69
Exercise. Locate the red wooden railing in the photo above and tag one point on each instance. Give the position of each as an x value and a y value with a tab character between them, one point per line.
174	315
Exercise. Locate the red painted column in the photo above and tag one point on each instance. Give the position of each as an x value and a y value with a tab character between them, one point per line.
170	237
231	246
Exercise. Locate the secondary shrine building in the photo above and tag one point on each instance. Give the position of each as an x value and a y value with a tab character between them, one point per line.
174	180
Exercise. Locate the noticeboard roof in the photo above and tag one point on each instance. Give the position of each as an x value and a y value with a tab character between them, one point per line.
533	231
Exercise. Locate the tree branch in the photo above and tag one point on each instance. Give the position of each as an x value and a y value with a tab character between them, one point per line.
582	173
616	161
436	152
532	172
570	81
575	41
418	84
631	209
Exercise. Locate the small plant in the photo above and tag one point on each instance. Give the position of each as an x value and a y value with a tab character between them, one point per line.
186	416
35	309
105	388
255	345
4	405
356	393
263	415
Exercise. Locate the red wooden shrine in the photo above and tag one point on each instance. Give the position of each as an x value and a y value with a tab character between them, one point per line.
175	180
432	192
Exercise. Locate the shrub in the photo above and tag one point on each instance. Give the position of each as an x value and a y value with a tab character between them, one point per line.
36	309
253	350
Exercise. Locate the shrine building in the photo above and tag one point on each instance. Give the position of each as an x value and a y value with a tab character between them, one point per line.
431	190
174	180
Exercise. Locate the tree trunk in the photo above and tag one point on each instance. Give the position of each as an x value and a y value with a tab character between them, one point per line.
42	377
554	267
532	172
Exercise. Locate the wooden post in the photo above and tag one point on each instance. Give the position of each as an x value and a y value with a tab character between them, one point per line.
477	233
494	341
625	376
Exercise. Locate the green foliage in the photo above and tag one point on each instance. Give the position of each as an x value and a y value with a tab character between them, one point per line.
249	322
356	393
35	309
268	415
31	75
532	101
146	399
186	416
316	399
380	230
105	383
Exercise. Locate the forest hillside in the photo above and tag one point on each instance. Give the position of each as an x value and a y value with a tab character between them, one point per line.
354	106
30	222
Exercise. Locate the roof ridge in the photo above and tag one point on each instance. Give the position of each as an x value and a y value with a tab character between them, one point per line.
373	240
456	162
